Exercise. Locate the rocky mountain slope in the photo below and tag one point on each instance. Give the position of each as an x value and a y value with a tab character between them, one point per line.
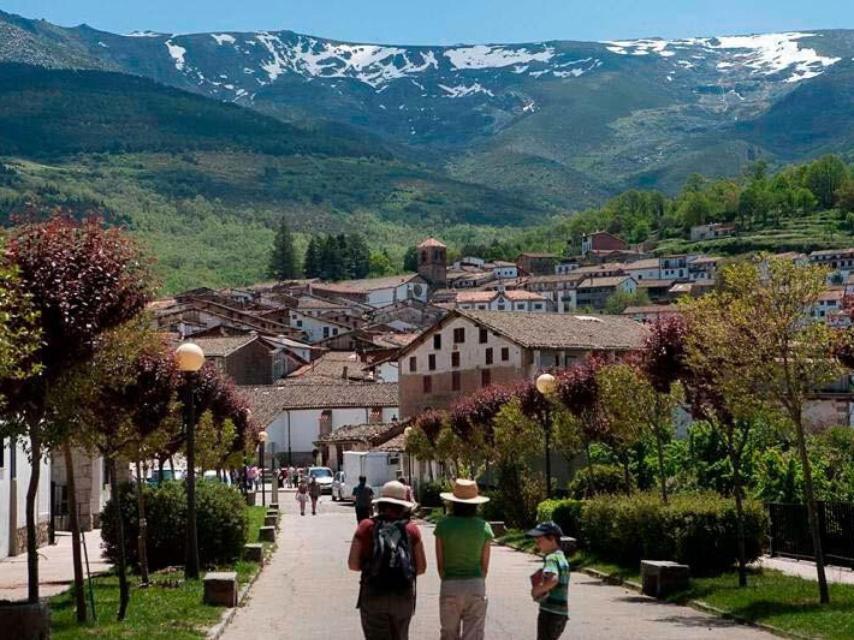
568	122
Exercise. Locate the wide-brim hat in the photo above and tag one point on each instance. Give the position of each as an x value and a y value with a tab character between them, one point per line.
464	492
394	492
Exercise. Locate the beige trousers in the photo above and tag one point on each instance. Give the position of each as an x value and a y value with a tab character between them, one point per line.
462	609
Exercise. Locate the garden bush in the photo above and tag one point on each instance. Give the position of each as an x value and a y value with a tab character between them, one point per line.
695	529
606	479
430	494
566	513
221	521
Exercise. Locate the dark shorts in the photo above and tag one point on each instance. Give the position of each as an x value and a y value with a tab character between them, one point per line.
362	513
550	625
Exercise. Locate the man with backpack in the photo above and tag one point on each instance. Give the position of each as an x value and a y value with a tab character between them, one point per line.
388	551
363	496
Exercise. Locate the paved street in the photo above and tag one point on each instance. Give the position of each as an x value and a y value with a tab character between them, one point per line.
306	593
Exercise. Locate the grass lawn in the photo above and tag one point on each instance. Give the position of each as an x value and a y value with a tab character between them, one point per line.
771	597
155	613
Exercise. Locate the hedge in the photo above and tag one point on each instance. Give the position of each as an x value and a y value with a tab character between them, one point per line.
598	480
695	529
221	521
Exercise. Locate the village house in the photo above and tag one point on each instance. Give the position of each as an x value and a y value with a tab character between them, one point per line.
296	414
711	231
376	292
566	265
504	270
537	264
828	302
594	292
469	279
601	241
468	350
249	359
674	267
92	488
646	269
514	300
355	437
657	290
316	328
15	471
703	268
560	290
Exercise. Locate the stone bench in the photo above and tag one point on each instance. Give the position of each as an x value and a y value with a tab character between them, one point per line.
274	506
253	552
271	520
251	498
221	588
663	577
498	528
267	534
568	545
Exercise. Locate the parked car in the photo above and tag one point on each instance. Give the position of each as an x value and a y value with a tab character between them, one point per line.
324	478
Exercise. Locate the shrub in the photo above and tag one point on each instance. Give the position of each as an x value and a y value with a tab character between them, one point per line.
696	529
566	513
221	521
430	494
606	479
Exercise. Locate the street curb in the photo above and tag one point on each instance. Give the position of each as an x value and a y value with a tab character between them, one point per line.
216	631
699	605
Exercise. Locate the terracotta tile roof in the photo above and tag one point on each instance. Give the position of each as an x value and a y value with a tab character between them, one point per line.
310	302
270	401
518	295
650	284
368	284
396	445
610	281
651	308
221	347
571	276
475	296
431	242
331	366
562	331
649	263
831	252
372	434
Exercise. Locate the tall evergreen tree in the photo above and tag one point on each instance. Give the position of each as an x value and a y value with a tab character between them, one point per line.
331	260
311	264
359	256
283	260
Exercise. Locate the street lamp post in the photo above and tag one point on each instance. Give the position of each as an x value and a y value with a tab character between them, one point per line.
189	358
546	385
406	433
262	439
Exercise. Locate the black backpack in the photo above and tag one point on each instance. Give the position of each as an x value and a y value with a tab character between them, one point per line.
391	567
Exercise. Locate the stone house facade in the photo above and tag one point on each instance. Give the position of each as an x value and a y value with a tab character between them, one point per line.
15	473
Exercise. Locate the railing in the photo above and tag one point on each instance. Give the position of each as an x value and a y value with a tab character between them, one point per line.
790	533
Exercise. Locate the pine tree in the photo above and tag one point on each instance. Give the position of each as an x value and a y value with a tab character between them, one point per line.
311	263
359	256
283	260
331	260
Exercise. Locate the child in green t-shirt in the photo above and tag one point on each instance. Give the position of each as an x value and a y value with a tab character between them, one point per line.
550	585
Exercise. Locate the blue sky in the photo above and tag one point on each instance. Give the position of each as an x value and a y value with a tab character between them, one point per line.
449	21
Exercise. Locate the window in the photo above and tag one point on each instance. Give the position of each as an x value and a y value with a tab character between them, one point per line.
538	306
505	354
334	331
455	381
437	341
489	356
299	323
484	334
325	332
455	359
431	362
413	365
459	335
427	384
485	377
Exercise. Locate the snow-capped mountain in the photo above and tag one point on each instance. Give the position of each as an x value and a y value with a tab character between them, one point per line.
539	116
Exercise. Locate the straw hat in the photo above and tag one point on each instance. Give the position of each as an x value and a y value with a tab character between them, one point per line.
394	492
465	491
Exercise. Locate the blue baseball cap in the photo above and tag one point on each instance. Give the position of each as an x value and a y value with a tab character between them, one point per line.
549	528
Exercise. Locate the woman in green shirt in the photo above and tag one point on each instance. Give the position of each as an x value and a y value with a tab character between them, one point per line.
462	558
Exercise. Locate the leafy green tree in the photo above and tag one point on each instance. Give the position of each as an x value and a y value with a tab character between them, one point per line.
381	264
410	259
823	177
283	260
619	300
845	196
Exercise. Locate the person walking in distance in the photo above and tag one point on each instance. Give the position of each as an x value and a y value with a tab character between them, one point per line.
389	553
302	495
363	497
550	585
314	494
462	559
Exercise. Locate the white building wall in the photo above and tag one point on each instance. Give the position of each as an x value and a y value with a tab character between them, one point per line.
313	327
389	372
23	473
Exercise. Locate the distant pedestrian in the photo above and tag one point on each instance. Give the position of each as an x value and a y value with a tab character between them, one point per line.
462	559
363	496
292	477
550	585
252	478
302	495
389	553
314	494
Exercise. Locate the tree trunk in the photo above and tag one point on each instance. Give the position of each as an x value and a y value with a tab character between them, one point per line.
590	479
142	539
739	522
124	591
32	524
812	512
74	523
661	475
627	474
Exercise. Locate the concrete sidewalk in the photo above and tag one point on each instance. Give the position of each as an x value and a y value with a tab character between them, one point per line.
55	567
806	569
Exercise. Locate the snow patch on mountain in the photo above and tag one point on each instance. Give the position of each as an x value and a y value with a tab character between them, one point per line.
461	91
482	56
222	38
145	34
177	53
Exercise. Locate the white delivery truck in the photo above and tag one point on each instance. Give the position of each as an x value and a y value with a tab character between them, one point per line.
377	466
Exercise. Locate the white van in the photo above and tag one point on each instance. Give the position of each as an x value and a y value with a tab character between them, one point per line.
377	466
